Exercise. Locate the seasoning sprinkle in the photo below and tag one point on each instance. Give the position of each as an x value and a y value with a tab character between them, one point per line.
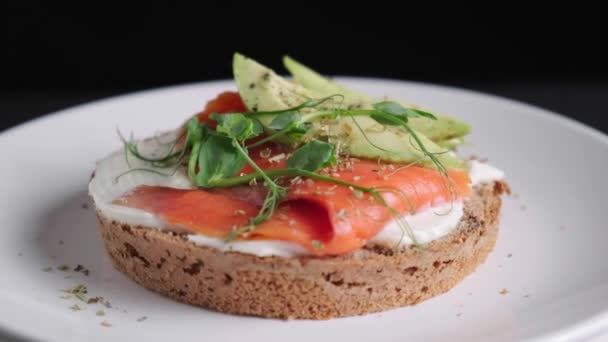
316	244
79	291
358	194
95	300
82	269
75	307
265	153
277	158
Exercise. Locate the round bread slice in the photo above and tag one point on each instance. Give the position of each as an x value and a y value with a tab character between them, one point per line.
371	279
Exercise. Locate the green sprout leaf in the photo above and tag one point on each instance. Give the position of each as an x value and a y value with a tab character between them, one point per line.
238	126
194	138
286	123
284	120
391	107
421	113
397	110
195	130
218	158
313	156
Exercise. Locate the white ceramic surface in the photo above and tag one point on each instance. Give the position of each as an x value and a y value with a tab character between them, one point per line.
551	255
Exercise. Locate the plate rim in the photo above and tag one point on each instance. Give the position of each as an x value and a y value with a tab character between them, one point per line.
585	328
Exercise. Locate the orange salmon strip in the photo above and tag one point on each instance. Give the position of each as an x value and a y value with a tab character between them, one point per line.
344	220
314	213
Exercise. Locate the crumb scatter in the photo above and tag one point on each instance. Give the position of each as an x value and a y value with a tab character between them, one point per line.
76	307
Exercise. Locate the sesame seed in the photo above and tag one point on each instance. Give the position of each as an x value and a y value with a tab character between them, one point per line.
265	153
277	158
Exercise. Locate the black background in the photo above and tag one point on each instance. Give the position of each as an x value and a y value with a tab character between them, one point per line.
52	58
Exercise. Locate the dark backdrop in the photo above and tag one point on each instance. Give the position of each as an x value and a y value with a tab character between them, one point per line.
52	59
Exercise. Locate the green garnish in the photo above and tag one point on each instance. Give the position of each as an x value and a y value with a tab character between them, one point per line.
216	156
313	156
63	268
237	126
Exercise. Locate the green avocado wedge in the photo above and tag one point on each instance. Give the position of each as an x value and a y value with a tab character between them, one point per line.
323	86
445	131
263	90
365	138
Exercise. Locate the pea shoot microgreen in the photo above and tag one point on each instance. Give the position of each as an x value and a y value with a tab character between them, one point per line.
312	156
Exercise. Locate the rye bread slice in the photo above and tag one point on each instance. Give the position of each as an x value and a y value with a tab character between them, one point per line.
371	279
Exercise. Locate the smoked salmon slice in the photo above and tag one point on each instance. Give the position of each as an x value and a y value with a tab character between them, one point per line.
345	220
325	218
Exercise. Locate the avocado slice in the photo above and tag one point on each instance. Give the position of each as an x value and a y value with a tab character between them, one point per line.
445	130
363	137
323	86
451	144
263	90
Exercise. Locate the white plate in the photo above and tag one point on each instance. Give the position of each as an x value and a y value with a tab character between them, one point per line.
554	231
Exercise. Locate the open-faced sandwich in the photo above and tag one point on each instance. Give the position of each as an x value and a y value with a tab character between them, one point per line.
298	199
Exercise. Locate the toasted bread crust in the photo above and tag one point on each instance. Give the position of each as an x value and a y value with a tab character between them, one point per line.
371	279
